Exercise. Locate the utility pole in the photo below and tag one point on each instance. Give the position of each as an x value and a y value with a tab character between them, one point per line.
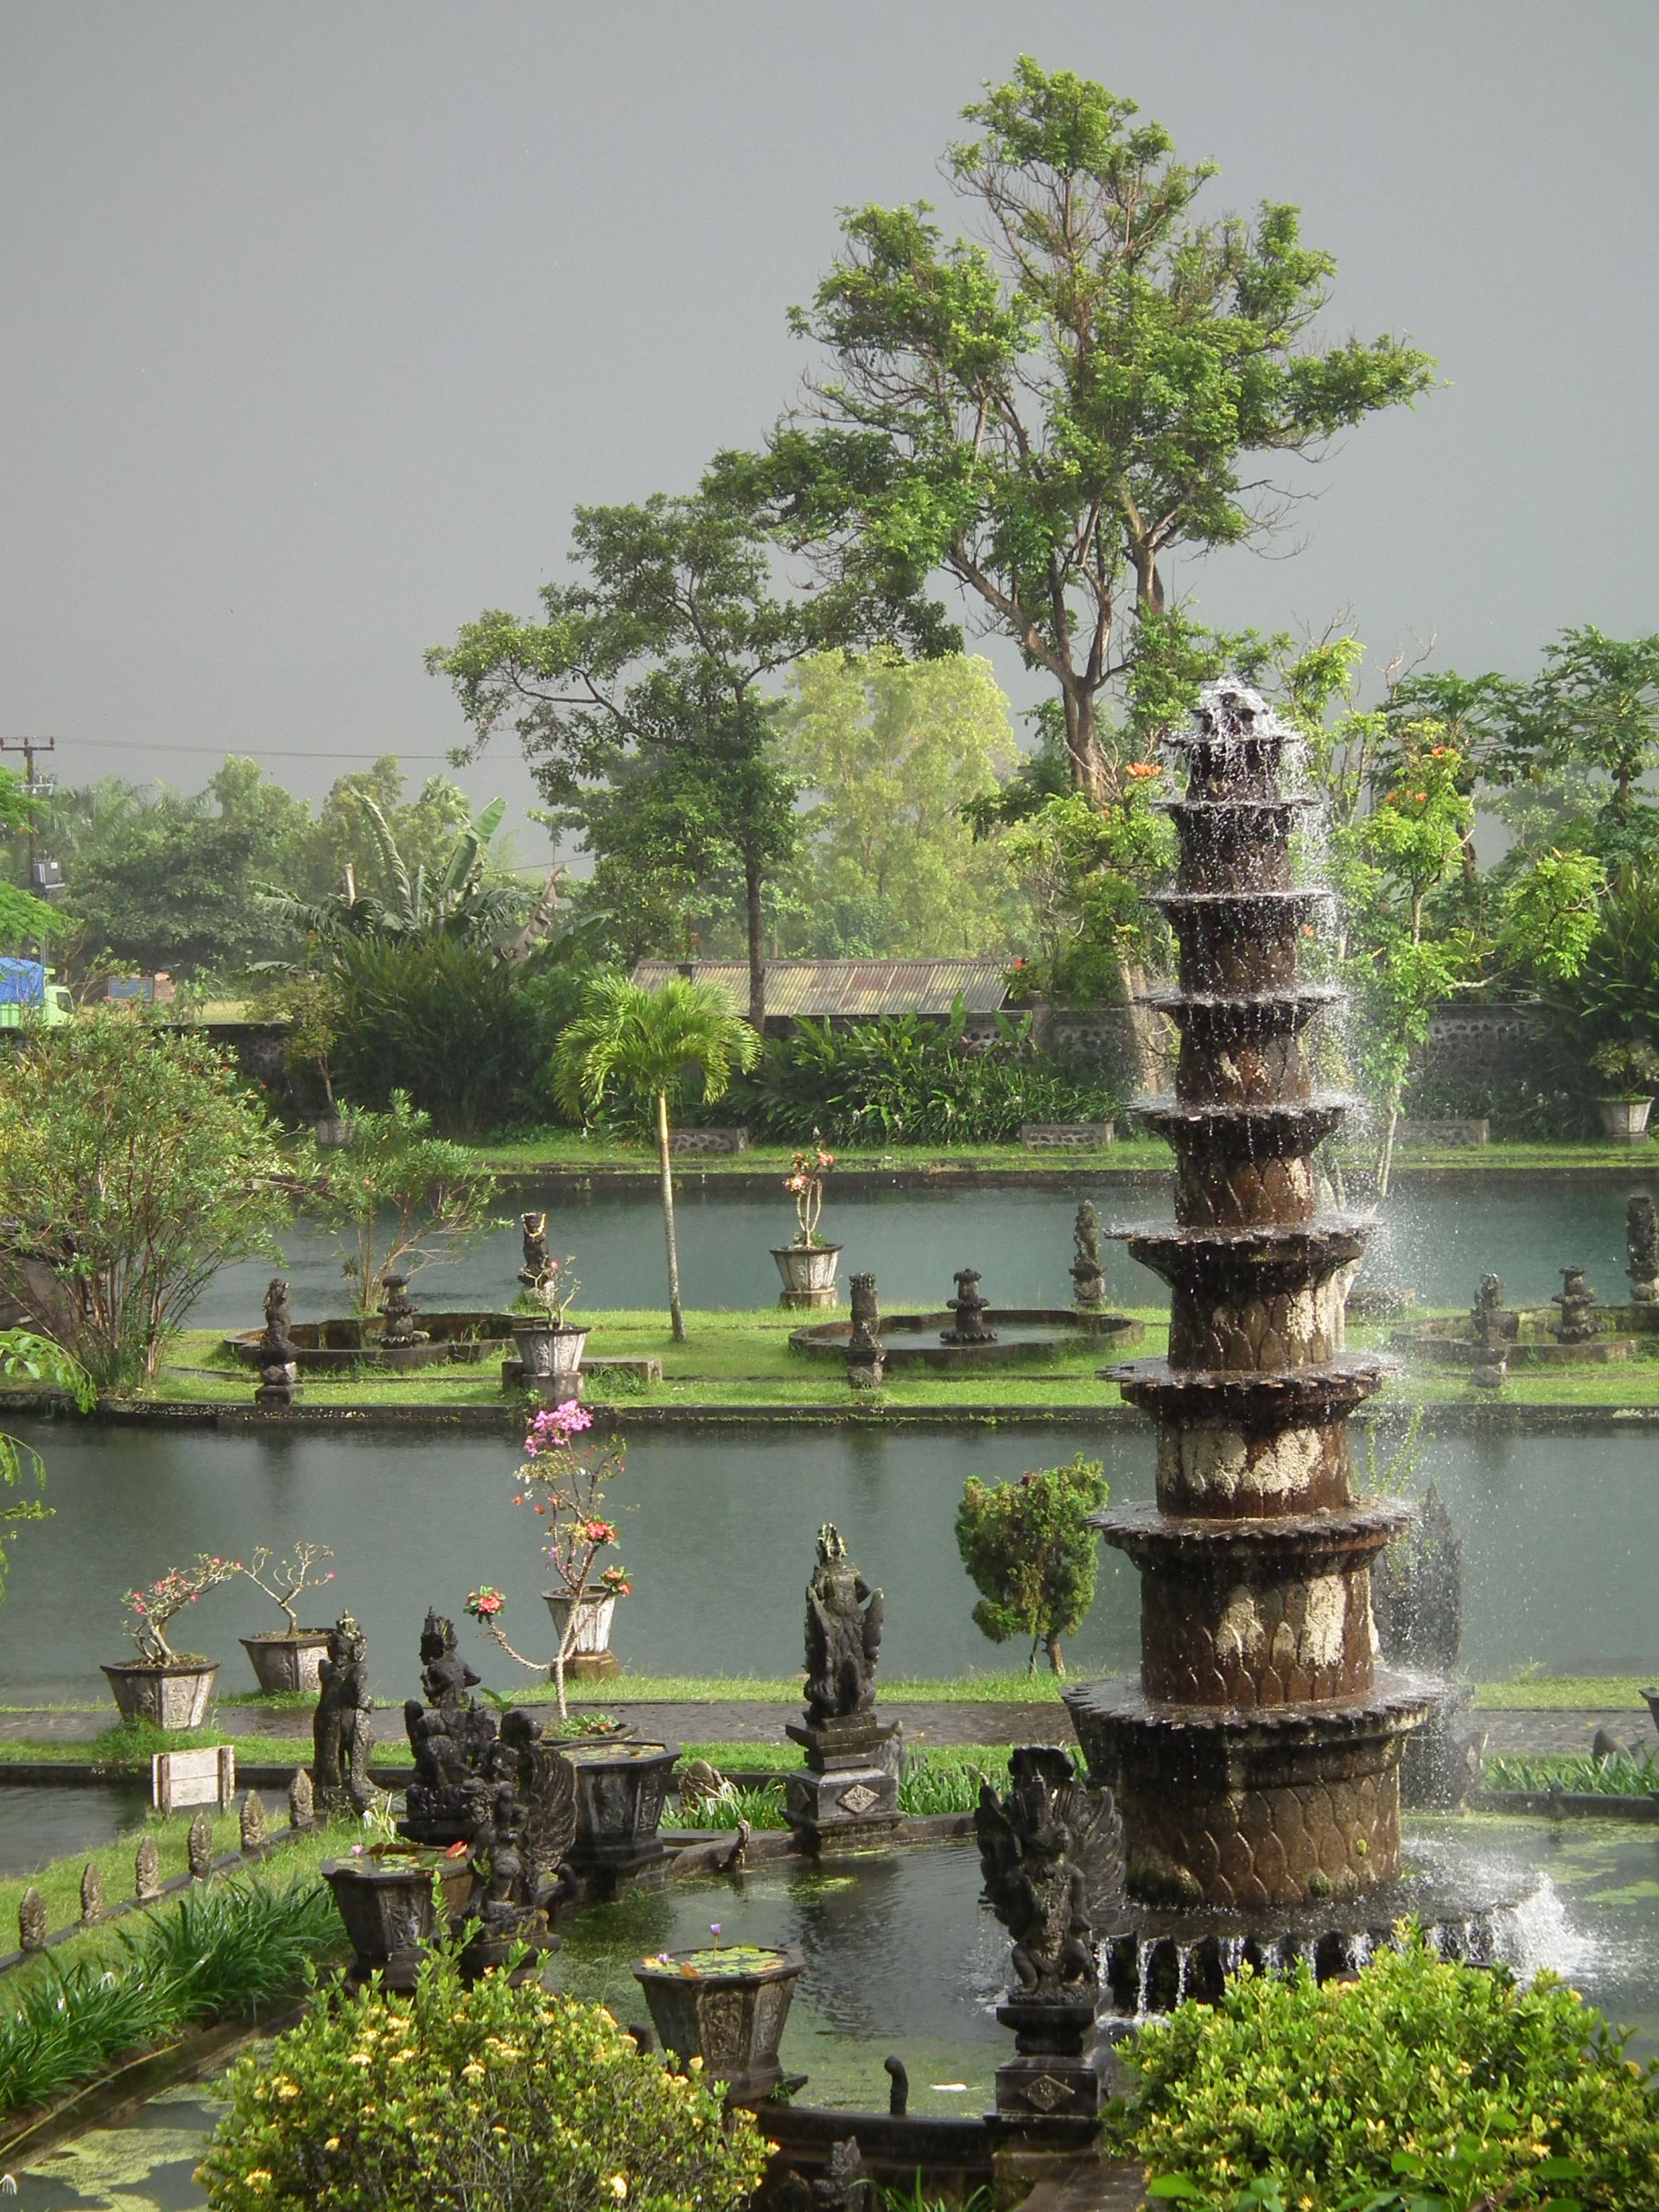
35	786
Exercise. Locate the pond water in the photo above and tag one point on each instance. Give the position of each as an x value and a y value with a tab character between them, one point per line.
1437	1237
902	1957
39	1823
717	1532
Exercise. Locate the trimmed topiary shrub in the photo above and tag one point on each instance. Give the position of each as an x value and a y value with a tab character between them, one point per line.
456	2097
1450	2085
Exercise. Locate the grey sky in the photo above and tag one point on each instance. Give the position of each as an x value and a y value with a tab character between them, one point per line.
320	317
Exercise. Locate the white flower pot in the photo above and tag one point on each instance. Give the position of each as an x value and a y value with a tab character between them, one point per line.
1626	1117
590	1649
552	1360
809	1273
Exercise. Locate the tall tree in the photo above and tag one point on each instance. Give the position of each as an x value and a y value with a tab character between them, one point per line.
890	751
655	670
1595	706
641	1047
1045	417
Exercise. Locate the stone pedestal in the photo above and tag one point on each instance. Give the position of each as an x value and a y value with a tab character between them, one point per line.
844	1800
1054	2086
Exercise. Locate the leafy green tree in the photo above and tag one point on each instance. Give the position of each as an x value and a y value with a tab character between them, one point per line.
405	1197
26	1358
1387	864
1030	1549
134	1165
1477	717
1047	416
341	849
641	697
892	751
24	919
635	1045
171	881
1595	706
454	898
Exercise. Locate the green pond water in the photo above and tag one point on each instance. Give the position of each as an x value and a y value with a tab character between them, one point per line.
902	1957
717	1532
1437	1237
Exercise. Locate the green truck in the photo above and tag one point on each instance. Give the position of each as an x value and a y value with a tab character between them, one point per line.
29	997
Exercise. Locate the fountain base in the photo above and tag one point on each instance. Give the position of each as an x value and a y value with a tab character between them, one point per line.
1152	1959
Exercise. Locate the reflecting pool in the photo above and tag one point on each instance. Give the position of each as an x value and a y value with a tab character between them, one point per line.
1439	1237
717	1532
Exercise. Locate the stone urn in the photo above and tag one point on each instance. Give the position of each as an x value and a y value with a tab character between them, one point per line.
552	1360
590	1650
172	1696
333	1132
620	1793
388	1908
809	1273
727	2005
1625	1118
284	1661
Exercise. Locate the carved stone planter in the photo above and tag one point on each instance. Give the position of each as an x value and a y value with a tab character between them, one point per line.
168	1697
282	1662
388	1912
1625	1117
590	1653
551	1359
726	2005
333	1132
620	1793
809	1274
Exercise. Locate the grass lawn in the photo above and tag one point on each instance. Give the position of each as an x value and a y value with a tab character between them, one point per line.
744	1359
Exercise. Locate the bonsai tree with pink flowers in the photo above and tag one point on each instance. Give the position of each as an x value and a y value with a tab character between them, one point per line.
562	1483
151	1611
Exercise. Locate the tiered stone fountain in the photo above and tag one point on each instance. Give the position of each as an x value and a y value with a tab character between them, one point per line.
1257	1761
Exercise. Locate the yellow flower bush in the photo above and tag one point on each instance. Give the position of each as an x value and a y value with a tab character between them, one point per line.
454	2097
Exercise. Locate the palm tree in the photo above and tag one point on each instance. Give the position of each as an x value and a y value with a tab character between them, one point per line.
641	1043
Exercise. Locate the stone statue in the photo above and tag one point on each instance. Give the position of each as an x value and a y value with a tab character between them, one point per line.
866	1358
93	1907
1030	1882
1087	1275
1488	1336
278	1369
843	1634
538	1258
969	1307
342	1729
1641	1241
398	1315
452	1736
1577	1300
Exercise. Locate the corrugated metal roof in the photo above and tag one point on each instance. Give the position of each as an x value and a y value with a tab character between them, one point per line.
858	988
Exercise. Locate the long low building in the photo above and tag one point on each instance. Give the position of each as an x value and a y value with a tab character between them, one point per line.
845	991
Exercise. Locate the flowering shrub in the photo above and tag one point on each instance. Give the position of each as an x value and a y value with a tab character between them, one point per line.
458	2096
564	1483
555	1289
152	1609
804	1183
1452	2077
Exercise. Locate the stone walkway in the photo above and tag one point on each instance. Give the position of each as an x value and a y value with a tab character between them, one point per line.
739	1721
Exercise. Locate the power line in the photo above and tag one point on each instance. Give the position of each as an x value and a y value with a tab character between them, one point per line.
266	752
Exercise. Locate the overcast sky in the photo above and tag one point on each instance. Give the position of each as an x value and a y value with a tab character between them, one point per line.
319	318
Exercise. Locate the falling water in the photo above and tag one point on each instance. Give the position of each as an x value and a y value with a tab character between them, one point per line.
1183	1961
1143	1951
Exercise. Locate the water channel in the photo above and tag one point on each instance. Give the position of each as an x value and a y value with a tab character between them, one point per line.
1439	1236
717	1530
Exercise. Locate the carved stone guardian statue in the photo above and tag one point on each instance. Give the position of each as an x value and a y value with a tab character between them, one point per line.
1489	1334
536	1257
844	1799
1641	1241
1038	1891
1578	1304
1088	1270
341	1729
866	1358
969	1307
278	1369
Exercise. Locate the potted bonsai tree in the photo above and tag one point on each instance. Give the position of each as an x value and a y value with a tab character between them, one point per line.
1631	1069
564	1483
808	1264
169	1688
288	1658
550	1347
